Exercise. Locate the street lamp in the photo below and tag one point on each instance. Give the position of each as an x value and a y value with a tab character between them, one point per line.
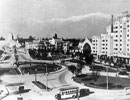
107	76
46	78
30	61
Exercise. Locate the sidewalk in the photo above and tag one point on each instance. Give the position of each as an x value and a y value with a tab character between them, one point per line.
99	93
3	92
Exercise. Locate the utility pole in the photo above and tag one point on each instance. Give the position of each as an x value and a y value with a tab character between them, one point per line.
30	60
35	75
46	78
77	93
107	77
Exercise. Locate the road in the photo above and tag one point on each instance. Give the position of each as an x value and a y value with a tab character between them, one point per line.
56	80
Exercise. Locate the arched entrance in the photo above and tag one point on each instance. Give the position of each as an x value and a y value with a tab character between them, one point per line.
87	49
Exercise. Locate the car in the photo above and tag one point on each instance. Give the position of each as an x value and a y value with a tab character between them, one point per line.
127	90
123	73
84	92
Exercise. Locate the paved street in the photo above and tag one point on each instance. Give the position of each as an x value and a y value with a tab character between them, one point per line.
56	80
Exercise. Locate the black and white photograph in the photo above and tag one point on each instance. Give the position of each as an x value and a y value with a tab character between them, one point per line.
64	49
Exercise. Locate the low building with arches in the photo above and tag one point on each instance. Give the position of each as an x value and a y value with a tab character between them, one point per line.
86	45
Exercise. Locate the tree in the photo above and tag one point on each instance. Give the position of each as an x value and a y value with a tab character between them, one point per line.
55	36
95	76
30	38
2	38
89	59
72	68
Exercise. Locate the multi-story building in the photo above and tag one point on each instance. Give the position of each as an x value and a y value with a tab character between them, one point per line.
32	45
96	45
102	45
121	38
116	42
57	42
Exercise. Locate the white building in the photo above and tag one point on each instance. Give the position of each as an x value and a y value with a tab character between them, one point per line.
102	45
116	42
121	35
96	45
32	45
9	43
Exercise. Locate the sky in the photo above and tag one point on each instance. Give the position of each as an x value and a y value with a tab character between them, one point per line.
15	14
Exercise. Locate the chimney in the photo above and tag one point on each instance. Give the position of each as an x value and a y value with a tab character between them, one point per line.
111	23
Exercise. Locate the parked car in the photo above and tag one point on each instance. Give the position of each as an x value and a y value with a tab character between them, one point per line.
123	72
127	90
84	92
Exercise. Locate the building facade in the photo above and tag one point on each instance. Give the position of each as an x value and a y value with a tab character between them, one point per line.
116	41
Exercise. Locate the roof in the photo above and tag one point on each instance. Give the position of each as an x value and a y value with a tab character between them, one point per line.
58	40
68	88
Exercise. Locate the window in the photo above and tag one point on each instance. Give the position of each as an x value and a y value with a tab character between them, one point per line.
116	40
127	44
116	27
103	52
127	25
120	26
103	40
127	35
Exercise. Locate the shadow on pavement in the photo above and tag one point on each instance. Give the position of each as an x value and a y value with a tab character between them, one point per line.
18	92
14	84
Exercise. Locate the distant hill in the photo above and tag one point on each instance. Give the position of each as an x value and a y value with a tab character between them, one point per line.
75	26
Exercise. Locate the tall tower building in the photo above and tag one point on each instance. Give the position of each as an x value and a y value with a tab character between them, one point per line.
116	41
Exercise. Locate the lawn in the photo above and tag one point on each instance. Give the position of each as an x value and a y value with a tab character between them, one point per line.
41	68
101	82
102	68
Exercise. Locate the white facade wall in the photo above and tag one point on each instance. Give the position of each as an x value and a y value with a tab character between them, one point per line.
32	45
121	36
104	44
96	45
116	43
